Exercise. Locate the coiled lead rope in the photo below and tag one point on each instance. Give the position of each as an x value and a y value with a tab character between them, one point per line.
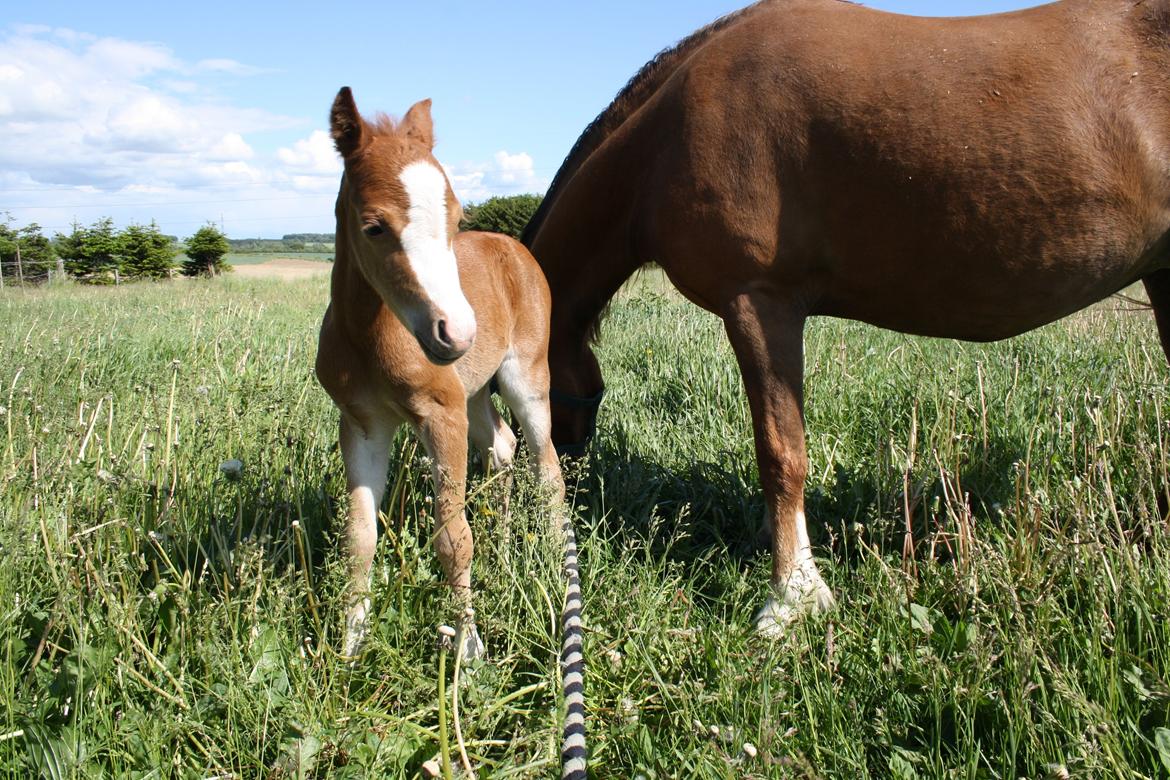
573	750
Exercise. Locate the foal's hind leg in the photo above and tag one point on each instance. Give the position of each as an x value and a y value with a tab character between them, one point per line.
767	336
488	432
524	386
1158	288
365	448
496	444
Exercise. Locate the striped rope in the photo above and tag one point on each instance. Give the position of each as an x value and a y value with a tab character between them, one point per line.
573	751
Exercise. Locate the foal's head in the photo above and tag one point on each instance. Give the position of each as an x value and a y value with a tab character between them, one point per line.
400	215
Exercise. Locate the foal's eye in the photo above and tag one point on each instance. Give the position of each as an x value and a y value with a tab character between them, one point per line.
373	229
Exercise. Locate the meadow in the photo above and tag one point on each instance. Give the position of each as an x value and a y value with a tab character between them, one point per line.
992	519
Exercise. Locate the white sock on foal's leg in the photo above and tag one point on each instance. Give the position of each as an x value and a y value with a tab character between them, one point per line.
366	455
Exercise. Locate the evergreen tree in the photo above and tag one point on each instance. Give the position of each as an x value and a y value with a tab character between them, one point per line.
102	251
146	253
37	257
69	248
8	239
205	251
91	254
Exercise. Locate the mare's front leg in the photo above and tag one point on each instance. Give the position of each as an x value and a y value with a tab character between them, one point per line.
1158	288
365	448
767	335
444	434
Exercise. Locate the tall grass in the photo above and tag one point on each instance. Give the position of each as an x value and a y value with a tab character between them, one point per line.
163	617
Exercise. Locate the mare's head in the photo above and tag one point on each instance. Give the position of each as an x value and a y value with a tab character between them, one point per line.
398	215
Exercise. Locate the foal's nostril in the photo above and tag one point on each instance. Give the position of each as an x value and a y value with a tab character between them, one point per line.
441	334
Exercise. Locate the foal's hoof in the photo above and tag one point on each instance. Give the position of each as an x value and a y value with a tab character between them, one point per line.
778	614
357	627
468	642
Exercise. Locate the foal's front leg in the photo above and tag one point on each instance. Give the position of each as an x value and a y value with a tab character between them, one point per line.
444	434
365	448
767	335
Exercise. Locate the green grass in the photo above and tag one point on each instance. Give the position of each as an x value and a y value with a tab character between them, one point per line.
158	619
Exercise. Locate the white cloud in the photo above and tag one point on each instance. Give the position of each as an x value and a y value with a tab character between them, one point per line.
181	86
506	174
231	147
95	127
314	154
66	102
233	67
513	166
102	126
115	58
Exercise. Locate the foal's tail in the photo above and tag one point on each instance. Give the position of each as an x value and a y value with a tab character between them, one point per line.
573	750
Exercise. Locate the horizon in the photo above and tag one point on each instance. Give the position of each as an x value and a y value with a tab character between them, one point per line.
189	116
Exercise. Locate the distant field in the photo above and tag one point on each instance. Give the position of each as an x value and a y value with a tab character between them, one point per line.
253	258
158	619
283	268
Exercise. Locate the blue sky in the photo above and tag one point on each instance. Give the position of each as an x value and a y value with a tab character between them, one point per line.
192	112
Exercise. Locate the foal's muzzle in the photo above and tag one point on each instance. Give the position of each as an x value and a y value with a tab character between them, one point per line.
442	345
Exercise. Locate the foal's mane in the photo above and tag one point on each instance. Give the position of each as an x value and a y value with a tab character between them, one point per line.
637	91
383	124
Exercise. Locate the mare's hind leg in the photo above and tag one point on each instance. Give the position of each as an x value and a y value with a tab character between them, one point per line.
365	448
524	386
767	336
1158	288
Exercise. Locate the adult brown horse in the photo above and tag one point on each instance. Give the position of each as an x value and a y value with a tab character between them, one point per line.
968	178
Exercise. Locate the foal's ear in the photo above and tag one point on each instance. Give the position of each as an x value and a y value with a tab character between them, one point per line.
345	123
417	124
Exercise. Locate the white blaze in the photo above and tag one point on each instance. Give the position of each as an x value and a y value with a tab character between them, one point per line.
428	248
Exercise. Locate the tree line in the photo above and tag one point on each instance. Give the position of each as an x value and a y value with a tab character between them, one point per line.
507	215
291	242
101	254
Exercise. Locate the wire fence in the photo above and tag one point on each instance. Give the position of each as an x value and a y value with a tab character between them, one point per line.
30	272
37	273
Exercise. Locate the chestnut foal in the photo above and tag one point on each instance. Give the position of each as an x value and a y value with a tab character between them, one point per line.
421	318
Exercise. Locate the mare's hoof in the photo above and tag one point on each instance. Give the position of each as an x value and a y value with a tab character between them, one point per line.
778	614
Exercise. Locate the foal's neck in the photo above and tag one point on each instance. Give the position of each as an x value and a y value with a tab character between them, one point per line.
353	297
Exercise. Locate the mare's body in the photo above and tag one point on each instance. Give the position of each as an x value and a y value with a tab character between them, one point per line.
969	178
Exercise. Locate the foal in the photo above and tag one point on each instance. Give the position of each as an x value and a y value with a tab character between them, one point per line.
419	322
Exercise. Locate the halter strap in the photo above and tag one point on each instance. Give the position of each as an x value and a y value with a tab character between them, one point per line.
591	405
575	401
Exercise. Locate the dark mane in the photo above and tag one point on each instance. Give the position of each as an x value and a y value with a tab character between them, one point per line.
636	92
